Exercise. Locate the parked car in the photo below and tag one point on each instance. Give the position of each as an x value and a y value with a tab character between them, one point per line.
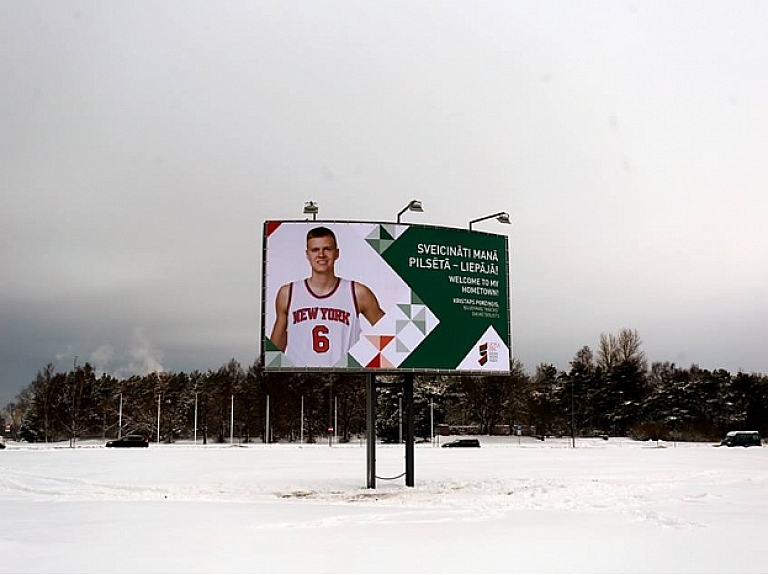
741	439
130	441
2	442
463	443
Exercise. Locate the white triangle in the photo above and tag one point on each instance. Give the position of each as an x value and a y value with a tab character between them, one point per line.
494	358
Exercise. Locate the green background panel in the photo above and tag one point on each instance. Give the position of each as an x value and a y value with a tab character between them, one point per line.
459	329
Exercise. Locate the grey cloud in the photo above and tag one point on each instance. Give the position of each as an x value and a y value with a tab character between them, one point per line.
144	144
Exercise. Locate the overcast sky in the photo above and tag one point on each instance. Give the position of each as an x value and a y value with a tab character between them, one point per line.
144	143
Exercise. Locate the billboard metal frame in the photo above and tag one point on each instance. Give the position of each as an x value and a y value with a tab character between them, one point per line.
380	371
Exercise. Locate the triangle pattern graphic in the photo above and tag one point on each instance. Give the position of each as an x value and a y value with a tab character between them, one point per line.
401	324
276	359
416	313
269	346
380	341
381	238
352	362
380	362
387	232
420	321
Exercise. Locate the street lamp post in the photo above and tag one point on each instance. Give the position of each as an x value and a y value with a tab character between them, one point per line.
413	205
74	386
232	421
501	217
573	416
432	419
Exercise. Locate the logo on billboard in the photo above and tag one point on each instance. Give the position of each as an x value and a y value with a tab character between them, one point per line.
483	354
488	351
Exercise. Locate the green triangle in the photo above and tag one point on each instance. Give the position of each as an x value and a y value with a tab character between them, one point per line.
380	246
419	319
416	299
352	362
269	346
386	234
375	244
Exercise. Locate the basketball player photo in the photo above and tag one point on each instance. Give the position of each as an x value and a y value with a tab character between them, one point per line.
317	318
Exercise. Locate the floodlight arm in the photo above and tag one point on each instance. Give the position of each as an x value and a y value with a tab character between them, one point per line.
502	217
413	205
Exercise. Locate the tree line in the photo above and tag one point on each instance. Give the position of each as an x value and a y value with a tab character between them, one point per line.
611	391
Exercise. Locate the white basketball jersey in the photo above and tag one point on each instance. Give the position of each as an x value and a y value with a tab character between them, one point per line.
321	329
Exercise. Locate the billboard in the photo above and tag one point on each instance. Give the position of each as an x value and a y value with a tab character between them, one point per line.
339	295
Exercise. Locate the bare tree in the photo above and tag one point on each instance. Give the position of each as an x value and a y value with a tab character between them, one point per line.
629	348
607	351
613	350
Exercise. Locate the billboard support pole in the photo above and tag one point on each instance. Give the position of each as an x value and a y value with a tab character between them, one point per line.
409	431
371	430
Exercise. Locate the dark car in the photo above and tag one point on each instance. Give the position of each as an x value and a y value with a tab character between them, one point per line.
463	443
741	439
130	441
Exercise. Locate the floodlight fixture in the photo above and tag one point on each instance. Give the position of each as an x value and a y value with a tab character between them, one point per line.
311	208
413	206
501	217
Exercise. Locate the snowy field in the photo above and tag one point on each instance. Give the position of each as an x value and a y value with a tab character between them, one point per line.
511	506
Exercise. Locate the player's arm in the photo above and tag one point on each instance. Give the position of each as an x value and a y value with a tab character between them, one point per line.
280	330
367	303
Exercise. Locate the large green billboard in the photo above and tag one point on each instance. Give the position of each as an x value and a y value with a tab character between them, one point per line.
365	295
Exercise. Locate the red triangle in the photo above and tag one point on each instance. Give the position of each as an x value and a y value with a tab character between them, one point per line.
375	362
272	226
380	341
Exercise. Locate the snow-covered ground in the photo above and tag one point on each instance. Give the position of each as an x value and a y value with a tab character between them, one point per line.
510	506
